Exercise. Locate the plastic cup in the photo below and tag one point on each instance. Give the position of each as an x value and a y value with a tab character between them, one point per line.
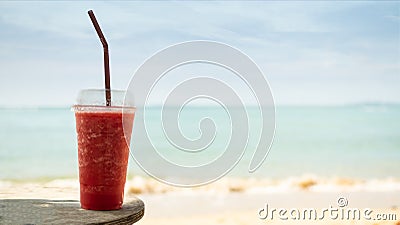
103	148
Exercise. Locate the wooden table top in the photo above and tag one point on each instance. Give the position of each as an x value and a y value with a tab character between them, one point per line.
43	211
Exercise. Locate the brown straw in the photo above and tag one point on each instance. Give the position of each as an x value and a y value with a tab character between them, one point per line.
106	57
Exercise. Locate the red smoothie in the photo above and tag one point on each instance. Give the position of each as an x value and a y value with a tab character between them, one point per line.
103	154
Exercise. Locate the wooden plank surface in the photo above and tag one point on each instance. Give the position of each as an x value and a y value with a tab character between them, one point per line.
42	211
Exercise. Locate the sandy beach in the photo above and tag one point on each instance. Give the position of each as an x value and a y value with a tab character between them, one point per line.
238	201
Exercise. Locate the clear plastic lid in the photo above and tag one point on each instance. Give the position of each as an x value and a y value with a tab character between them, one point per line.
95	100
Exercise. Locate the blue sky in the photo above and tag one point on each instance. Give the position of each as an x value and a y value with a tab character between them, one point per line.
318	53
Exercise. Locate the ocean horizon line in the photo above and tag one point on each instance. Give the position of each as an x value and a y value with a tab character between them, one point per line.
372	104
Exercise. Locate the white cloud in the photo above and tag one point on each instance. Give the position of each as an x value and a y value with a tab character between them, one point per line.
292	42
44	17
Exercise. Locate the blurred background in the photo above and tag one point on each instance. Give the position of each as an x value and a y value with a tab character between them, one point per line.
333	69
312	53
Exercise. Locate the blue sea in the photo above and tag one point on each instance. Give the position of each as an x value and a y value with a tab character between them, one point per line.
353	141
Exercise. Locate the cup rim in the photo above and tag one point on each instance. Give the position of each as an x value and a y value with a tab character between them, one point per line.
103	108
102	89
